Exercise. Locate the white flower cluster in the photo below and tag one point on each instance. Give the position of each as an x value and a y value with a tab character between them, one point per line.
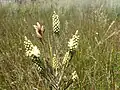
66	58
73	43
30	49
56	23
74	76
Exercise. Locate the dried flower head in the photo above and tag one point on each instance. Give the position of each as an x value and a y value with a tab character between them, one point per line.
73	42
39	31
56	23
30	48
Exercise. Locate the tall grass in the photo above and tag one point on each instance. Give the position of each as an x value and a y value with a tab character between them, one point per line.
96	60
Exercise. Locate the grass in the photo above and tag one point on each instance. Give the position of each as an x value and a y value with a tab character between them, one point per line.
97	58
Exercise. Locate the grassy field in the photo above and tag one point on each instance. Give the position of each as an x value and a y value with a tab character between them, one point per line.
97	60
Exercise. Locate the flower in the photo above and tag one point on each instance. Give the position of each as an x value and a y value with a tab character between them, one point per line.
66	58
35	51
73	42
74	76
39	31
30	48
56	23
54	62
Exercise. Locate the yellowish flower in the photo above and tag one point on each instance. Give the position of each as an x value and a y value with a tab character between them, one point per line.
66	58
54	62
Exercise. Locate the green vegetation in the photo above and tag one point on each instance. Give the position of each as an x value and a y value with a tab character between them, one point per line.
96	61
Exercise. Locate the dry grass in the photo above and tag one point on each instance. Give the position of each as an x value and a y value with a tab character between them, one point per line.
96	61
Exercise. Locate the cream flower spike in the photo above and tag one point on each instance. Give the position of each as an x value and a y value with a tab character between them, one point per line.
74	76
73	42
56	23
31	49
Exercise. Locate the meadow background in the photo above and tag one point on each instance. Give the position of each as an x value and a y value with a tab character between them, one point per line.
97	60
